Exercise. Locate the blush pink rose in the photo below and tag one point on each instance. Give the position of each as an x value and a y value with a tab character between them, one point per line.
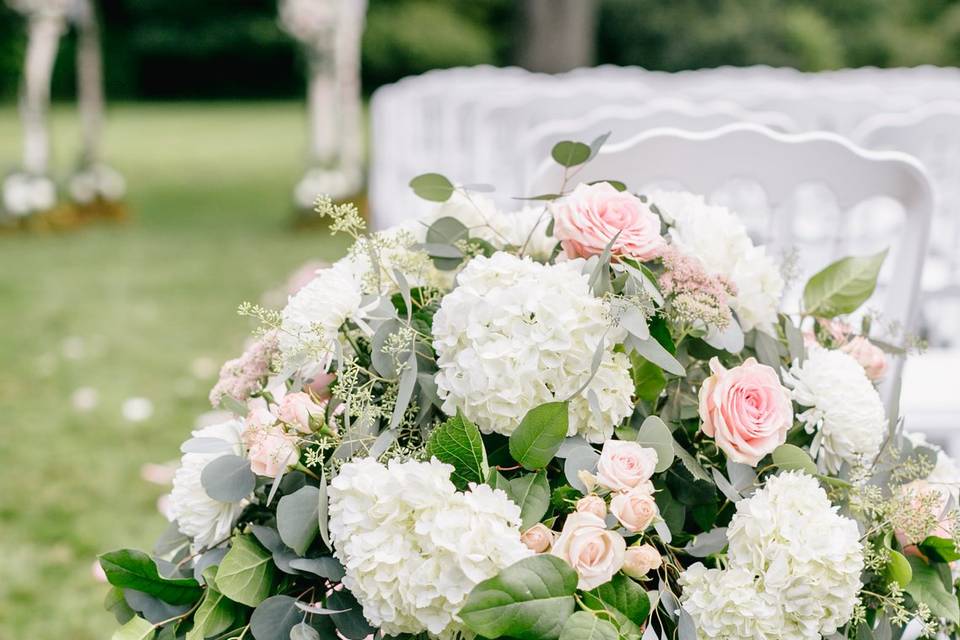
870	356
624	465
538	538
640	560
592	504
635	509
298	410
594	552
591	216
745	410
270	450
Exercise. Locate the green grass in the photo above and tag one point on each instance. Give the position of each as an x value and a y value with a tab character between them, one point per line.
210	190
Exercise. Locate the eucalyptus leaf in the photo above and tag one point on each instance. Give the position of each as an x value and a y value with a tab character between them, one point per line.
583	625
325	567
446	230
228	478
655	434
349	620
529	600
297	518
536	440
322	510
303	631
115	603
598	142
792	458
570	154
686	630
843	286
725	487
246	573
433	187
705	544
152	608
768	350
274	618
205	445
653	351
580	459
408	380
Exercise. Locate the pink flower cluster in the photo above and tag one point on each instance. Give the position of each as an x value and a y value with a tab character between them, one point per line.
241	376
838	334
695	295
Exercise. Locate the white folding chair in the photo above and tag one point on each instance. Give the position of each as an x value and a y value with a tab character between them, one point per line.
704	161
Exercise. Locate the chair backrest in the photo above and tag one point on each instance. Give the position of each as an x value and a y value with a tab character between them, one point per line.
780	163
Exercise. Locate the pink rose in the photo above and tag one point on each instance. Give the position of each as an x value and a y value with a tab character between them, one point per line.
746	410
623	465
589	218
921	492
870	356
538	538
298	410
270	449
259	414
592	504
595	553
641	560
635	509
320	385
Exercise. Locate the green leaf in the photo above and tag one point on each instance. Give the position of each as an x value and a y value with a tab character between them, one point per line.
598	143
570	154
303	631
274	618
216	613
457	442
624	599
927	587
130	569
616	184
298	518
446	230
690	463
652	350
531	492
135	629
653	433
115	603
228	478
648	378
792	458
898	569
587	626
529	600
843	286
246	573
433	187
939	549
349	619
537	439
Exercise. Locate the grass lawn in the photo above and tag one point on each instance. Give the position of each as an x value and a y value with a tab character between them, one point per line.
132	310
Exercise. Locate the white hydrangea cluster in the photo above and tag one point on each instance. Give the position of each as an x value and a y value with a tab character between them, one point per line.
205	520
413	547
313	316
846	411
794	570
719	239
516	334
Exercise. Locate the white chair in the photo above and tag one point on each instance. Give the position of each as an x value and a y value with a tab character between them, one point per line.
704	161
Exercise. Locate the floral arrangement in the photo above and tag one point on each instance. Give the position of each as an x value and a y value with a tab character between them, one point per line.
583	420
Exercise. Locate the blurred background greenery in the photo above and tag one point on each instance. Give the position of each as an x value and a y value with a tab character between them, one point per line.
170	49
206	122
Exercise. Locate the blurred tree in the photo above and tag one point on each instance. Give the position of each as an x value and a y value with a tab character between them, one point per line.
558	34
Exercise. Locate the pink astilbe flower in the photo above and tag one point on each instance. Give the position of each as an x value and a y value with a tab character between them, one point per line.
695	295
241	376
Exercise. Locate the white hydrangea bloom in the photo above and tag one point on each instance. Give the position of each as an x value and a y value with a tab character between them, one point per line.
719	239
499	228
516	334
726	604
205	520
794	567
313	316
846	411
413	547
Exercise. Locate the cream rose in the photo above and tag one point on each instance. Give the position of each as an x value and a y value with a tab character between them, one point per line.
298	410
538	538
592	504
870	356
624	465
746	410
270	449
595	553
592	215
640	560
635	509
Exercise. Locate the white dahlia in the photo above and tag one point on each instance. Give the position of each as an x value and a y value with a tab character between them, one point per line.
313	316
516	334
205	520
413	547
719	239
845	412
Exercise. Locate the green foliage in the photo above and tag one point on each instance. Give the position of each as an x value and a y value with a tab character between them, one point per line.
939	549
275	618
655	434
843	286
570	154
135	629
792	458
228	478
625	600
587	626
537	439
246	573
531	492
529	600
927	587
457	442
298	518
216	613
435	188
898	569
648	378
130	569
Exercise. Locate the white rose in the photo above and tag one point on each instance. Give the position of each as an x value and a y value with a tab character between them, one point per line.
623	465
